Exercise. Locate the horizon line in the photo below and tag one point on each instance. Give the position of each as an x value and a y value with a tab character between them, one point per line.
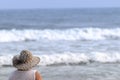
58	8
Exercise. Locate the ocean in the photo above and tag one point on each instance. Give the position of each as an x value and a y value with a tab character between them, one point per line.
73	44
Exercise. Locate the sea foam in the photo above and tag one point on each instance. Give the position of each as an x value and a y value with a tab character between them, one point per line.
56	34
69	58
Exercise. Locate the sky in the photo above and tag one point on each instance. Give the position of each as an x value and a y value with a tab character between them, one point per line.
30	4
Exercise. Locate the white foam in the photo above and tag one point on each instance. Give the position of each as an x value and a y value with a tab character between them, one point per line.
6	60
56	34
63	58
106	57
70	58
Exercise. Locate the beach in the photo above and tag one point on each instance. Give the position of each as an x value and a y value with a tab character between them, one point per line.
73	44
83	72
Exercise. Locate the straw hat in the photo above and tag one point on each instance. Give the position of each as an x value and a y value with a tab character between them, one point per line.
25	60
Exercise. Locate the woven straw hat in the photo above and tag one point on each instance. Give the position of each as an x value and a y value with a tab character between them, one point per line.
25	60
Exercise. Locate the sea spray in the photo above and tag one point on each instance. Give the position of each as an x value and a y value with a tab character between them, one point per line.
56	34
69	58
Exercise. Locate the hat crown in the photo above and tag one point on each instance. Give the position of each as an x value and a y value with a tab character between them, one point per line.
25	56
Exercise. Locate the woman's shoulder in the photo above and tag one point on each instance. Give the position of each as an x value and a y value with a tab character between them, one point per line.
12	75
37	76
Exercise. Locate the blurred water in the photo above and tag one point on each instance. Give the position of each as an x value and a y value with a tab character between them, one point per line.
73	44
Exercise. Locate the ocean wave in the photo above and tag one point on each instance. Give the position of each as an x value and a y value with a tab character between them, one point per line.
56	34
69	59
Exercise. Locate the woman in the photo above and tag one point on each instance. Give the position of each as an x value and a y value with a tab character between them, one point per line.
24	63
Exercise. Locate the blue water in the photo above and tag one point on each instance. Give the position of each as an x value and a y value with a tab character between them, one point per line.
59	18
79	39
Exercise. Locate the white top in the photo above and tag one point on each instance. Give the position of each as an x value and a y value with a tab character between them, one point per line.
23	75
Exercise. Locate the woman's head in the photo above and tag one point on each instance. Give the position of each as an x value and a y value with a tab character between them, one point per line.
25	60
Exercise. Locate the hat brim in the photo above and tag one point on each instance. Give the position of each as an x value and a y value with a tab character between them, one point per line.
28	65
